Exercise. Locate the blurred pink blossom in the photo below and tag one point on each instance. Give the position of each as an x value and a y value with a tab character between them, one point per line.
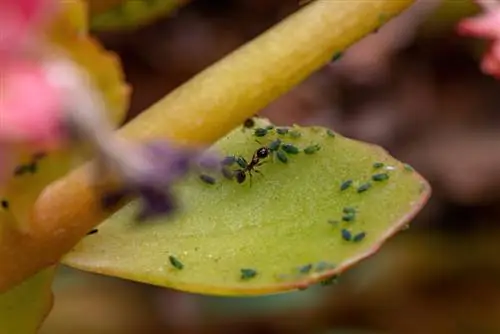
487	26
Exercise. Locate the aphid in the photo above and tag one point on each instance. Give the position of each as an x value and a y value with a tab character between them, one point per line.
20	170
5	204
295	134
408	168
282	131
260	132
380	177
290	149
337	56
349	209
330	133
330	280
349	217
261	153
282	157
275	145
345	185
93	231
249	123
247	273
364	187
346	235
305	269
207	179
358	237
323	266
241	162
269	127
227	173
312	149
228	161
378	165
175	262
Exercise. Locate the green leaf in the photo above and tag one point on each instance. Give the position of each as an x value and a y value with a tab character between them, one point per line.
285	230
23	308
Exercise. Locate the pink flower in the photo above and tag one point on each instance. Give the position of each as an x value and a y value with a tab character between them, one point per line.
487	26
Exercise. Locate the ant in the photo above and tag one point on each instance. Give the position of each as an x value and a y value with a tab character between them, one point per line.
246	167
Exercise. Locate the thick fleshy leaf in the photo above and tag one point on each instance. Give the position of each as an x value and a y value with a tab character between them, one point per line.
292	226
23	308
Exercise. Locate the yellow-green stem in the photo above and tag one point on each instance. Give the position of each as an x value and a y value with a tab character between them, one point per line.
201	111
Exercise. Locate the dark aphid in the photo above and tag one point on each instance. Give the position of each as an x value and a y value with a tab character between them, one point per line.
349	209
260	132
227	173
290	149
378	165
39	155
21	170
330	133
305	269
380	177
346	235
323	266
249	123
408	168
282	157
241	162
269	127
295	134
175	262
247	273
358	237
281	131
337	56
93	231
228	161
330	280
275	145
207	179
349	217
364	187
5	204
345	185
312	149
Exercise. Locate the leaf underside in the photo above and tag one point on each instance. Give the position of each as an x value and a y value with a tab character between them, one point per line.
284	230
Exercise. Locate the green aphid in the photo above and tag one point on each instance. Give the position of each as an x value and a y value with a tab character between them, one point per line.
282	156
241	162
282	131
408	168
312	149
359	237
175	262
349	209
323	266
378	165
364	187
269	127
330	280
306	269
260	132
330	133
346	185
275	145
337	56
247	273
290	149
380	177
346	234
349	217
295	134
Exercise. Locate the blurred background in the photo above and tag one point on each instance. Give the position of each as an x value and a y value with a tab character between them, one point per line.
414	88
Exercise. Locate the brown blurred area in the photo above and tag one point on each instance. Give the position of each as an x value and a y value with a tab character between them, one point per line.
422	97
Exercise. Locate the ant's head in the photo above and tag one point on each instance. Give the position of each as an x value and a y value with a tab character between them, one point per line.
263	152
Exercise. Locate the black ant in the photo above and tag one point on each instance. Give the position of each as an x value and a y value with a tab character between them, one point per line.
246	167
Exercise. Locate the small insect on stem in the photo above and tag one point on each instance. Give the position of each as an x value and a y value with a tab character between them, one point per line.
306	268
346	234
312	149
364	187
323	266
380	177
227	173
330	133
345	185
240	174
282	157
349	217
228	161
175	262
207	179
260	132
359	237
290	149
295	134
247	273
281	131
378	165
275	145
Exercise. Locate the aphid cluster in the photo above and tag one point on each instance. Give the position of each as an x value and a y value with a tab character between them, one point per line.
31	167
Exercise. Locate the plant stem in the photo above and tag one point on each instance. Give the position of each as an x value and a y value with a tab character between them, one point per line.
199	112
